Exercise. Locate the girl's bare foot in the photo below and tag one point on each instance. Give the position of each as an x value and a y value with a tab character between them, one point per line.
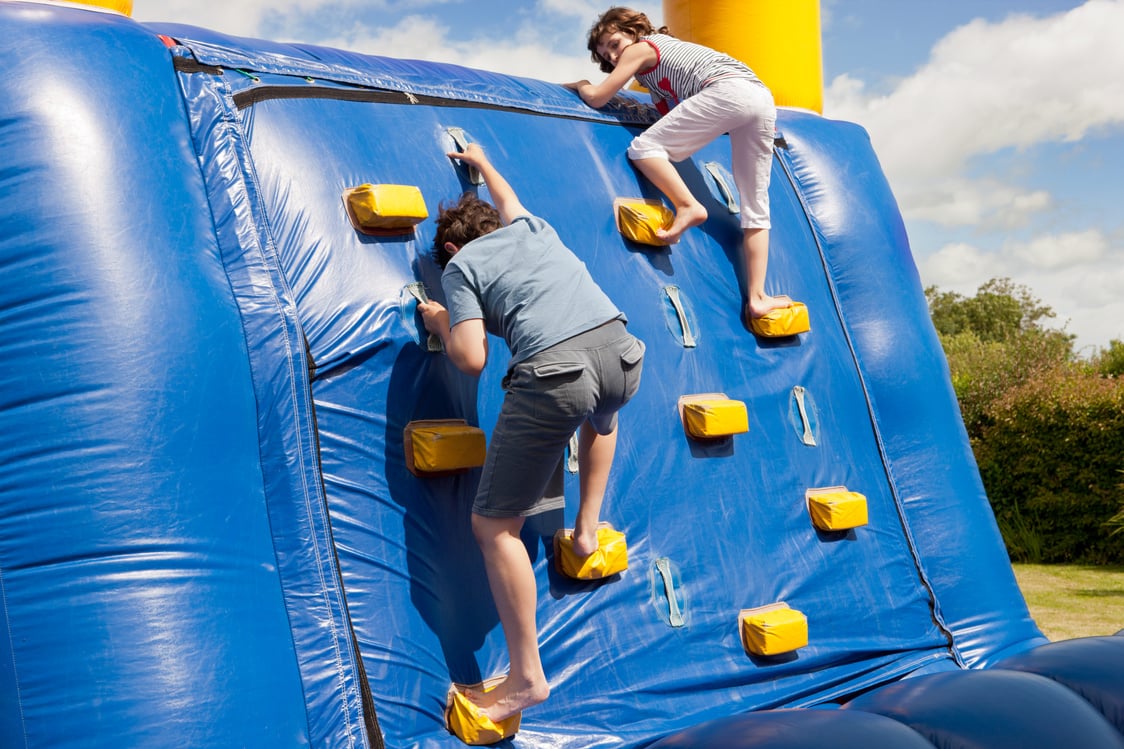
509	697
764	305
685	218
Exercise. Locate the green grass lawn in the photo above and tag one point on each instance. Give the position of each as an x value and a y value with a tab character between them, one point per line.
1070	601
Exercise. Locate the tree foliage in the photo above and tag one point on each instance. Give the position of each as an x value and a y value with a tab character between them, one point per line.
1000	311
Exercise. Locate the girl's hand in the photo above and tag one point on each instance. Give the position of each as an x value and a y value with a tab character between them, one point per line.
583	89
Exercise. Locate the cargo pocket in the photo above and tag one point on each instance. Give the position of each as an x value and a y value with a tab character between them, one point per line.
632	363
559	390
558	369
634	354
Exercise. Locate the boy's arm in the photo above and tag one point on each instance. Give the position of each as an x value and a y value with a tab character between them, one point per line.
636	57
503	195
466	343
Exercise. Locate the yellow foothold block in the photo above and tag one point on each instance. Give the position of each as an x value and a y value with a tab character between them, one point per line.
639	218
836	509
772	629
439	447
713	416
781	322
464	719
610	558
385	209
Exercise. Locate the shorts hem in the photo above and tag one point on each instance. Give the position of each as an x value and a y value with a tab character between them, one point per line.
538	509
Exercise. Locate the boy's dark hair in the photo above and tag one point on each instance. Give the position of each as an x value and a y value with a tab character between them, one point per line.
469	219
632	22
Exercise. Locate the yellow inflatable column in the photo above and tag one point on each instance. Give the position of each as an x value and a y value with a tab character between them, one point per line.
125	7
779	40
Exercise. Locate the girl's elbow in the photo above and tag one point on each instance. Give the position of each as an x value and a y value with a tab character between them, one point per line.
597	101
593	95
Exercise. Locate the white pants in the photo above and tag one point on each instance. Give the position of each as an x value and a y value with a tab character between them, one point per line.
737	106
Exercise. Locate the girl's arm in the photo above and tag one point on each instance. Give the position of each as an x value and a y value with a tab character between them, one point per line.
635	57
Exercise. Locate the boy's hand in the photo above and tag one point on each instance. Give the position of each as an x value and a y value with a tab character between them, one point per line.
466	345
504	198
435	317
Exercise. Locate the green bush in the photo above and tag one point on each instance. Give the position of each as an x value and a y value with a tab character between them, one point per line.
1116	523
983	370
1110	361
1021	536
1049	452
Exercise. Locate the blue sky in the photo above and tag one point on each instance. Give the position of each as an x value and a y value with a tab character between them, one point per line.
999	123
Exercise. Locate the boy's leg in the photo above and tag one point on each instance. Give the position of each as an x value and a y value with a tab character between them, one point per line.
512	582
689	212
595	458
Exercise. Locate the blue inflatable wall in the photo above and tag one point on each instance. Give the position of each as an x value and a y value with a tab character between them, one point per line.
208	532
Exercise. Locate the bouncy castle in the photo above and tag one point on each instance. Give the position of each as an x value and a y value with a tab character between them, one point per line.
237	474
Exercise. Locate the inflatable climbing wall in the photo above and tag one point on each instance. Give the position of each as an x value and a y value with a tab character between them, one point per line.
211	533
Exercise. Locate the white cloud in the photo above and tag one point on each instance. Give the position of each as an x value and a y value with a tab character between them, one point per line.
1082	250
957	201
1005	88
586	11
989	87
243	18
385	28
423	37
958	266
1080	275
294	20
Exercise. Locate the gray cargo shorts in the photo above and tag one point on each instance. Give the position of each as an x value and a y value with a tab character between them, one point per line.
549	395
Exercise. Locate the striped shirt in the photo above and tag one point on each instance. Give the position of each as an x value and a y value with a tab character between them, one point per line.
683	69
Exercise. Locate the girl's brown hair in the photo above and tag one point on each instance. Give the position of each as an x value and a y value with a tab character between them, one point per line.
632	22
469	219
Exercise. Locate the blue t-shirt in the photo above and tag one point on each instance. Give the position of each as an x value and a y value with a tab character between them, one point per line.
527	287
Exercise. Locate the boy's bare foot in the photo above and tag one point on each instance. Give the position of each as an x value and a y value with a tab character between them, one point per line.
509	697
764	305
685	218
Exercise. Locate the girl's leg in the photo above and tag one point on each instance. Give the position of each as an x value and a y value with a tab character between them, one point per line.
755	254
595	458
752	146
692	124
688	211
512	581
